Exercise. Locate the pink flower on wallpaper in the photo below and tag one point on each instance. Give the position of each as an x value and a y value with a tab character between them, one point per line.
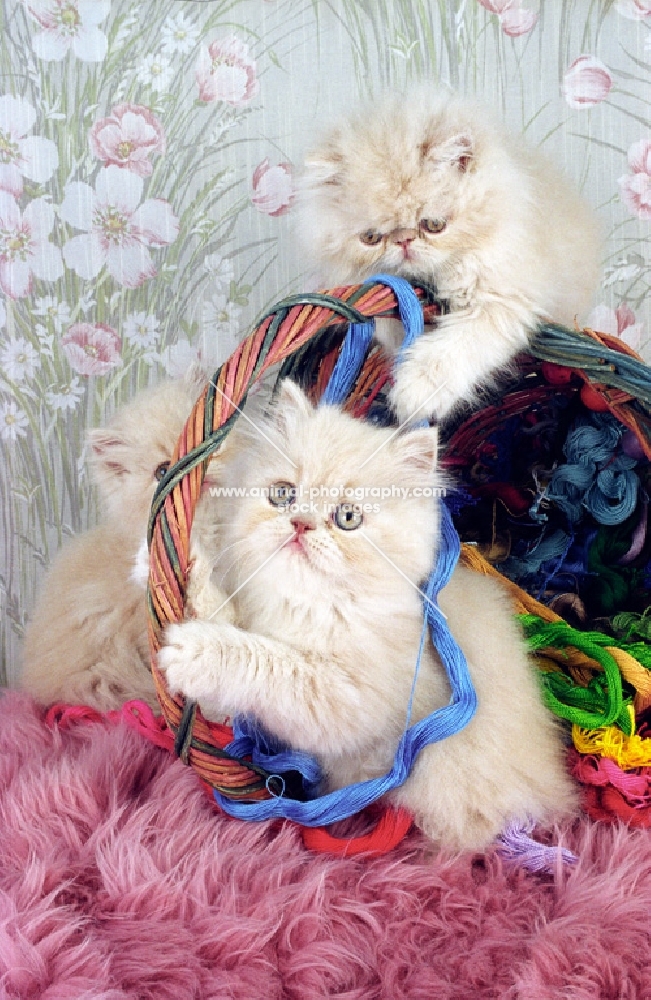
273	190
517	21
618	322
226	72
639	157
636	194
514	19
22	155
496	6
25	250
587	82
636	187
634	10
118	229
127	137
92	348
69	24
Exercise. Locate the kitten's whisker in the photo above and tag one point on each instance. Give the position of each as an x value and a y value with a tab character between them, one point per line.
227	570
403	424
255	572
222	552
403	575
225	573
255	426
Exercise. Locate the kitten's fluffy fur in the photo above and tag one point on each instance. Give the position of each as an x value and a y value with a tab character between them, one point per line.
519	244
87	641
328	629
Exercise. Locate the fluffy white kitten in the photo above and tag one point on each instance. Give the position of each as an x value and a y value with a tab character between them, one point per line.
427	186
328	625
87	639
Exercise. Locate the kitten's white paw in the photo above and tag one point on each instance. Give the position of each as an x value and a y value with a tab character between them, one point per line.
422	391
191	660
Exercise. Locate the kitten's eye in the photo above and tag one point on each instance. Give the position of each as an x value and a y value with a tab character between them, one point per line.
348	517
433	225
160	470
371	237
282	494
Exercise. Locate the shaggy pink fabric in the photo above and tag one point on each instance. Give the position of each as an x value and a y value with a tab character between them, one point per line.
119	880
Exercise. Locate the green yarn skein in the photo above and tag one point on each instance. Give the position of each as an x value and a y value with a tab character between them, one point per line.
602	702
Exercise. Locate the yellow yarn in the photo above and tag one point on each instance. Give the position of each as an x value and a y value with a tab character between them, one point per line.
627	751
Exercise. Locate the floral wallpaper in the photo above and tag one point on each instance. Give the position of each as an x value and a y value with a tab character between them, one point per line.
148	152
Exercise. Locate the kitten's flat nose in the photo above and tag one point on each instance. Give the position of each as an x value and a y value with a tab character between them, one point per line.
301	524
403	237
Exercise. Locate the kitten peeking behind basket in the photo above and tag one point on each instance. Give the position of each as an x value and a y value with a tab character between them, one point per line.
87	639
425	186
327	620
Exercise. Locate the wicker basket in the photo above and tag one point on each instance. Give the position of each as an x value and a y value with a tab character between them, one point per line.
305	334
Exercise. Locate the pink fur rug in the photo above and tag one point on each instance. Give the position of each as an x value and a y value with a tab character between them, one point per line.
119	880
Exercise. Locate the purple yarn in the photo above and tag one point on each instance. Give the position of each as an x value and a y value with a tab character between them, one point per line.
515	844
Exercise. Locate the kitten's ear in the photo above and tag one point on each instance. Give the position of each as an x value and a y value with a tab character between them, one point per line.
287	406
458	151
418	451
324	165
291	400
106	451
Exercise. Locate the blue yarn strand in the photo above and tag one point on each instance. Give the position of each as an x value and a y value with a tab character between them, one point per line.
409	306
266	751
351	356
359	336
440	724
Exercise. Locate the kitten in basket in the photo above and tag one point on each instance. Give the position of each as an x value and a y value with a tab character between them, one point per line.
328	619
87	639
426	186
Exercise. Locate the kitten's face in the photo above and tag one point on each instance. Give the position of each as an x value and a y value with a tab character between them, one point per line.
129	456
406	190
327	547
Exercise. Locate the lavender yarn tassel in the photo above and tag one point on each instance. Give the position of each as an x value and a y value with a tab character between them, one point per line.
515	844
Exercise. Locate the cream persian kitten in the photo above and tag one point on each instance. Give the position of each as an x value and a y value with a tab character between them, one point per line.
87	639
426	186
328	619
